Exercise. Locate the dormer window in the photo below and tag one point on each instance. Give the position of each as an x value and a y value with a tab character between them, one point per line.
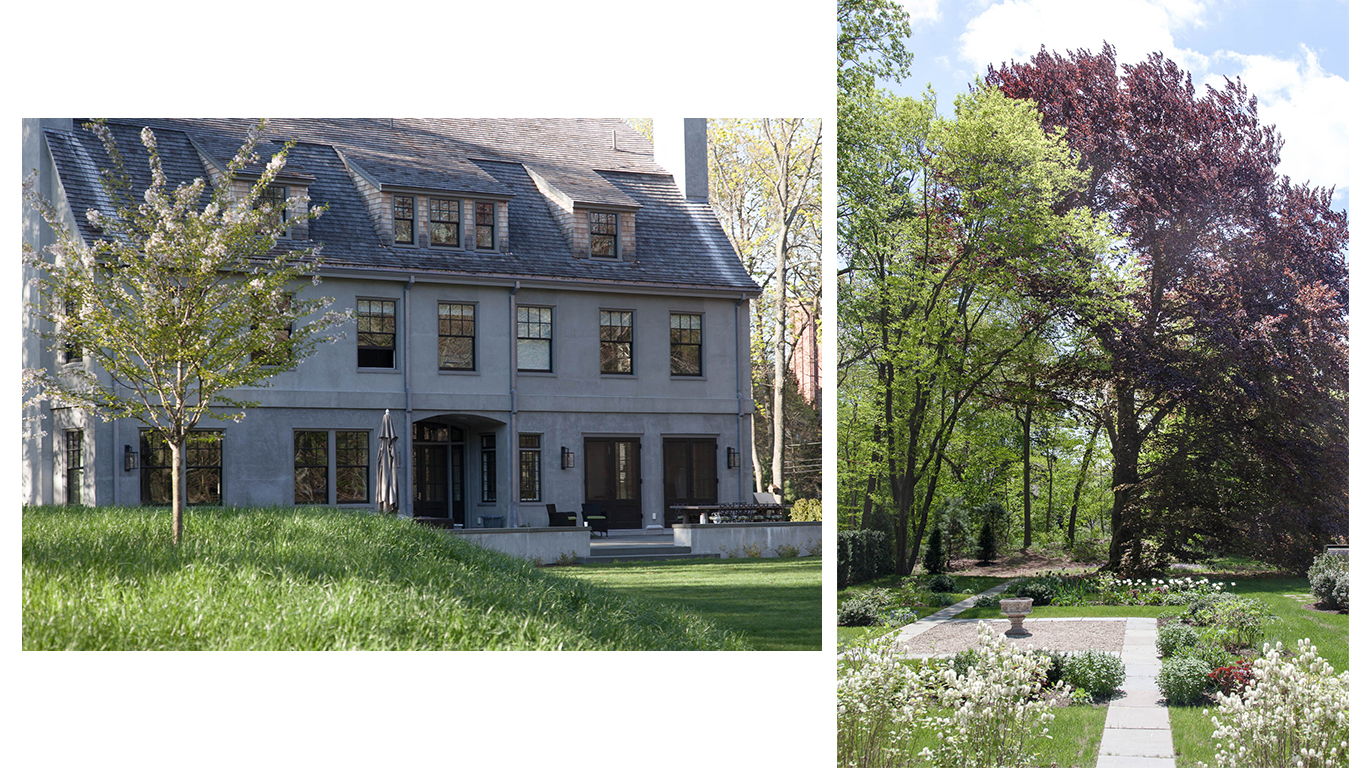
275	195
444	216
403	219
602	230
485	225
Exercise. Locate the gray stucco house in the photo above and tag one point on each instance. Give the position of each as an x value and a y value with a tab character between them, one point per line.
548	315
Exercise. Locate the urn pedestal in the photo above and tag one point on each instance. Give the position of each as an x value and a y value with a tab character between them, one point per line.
1016	609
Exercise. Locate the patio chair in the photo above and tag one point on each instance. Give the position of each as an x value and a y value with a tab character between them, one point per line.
560	519
594	518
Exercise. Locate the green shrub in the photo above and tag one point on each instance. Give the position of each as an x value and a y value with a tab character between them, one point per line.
935	562
964	659
806	511
864	609
786	550
1174	636
1328	580
1200	612
986	543
1040	589
940	583
863	556
1184	680
1101	674
941	599
1090	550
1054	671
1212	654
1238	623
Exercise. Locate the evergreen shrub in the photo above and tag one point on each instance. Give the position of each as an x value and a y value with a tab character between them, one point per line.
863	556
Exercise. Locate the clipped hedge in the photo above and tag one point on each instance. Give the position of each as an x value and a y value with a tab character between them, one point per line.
863	556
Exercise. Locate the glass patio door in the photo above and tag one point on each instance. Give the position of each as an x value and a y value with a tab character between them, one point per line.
612	479
689	474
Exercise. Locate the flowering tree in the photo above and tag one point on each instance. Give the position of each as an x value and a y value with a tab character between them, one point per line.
184	299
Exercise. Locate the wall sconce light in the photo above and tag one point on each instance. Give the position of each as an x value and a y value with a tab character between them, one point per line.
732	458
130	459
566	458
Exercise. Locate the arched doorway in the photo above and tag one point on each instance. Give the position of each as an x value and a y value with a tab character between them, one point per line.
439	472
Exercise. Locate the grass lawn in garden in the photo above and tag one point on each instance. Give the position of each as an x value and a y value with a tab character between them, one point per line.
319	579
774	604
1076	733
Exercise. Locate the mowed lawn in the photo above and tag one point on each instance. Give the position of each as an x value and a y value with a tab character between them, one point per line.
318	579
774	603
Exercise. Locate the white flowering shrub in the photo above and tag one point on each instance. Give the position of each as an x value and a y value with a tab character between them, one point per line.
996	708
1328	580
880	697
1293	714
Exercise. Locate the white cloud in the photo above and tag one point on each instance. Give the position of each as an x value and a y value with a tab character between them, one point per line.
1309	107
918	11
1015	29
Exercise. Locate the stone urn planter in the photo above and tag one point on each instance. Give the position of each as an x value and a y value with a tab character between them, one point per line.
1016	609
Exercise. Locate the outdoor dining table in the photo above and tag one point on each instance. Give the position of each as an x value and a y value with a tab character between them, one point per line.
707	513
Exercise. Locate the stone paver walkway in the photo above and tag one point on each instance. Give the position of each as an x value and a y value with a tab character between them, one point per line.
1138	733
924	625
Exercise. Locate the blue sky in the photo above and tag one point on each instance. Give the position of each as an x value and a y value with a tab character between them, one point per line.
1292	54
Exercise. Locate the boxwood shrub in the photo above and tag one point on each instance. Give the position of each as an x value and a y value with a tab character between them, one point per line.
1183	680
1101	674
1174	636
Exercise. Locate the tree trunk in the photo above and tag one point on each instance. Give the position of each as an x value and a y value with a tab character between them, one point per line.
779	358
1125	451
177	489
1028	484
1081	481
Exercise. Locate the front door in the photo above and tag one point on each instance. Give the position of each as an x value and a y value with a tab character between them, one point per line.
438	472
611	478
689	474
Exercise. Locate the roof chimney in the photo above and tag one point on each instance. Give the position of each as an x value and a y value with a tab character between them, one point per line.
681	147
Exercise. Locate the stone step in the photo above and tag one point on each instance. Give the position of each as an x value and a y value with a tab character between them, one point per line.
617	557
615	550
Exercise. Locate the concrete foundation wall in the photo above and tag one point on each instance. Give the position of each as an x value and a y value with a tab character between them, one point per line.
543	545
730	539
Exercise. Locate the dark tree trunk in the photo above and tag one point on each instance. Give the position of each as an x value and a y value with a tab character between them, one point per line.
1125	449
1081	481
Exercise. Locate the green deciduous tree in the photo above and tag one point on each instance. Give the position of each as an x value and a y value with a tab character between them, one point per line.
765	188
184	298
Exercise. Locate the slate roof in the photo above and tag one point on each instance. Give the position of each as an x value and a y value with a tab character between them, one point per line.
678	242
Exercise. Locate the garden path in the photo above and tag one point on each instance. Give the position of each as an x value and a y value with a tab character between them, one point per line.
1137	731
939	617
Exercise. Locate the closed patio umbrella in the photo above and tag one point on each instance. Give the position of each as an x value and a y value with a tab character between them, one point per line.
388	465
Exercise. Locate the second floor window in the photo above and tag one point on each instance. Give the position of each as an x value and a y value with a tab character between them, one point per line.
275	195
685	344
614	334
534	336
485	225
71	351
602	229
375	328
403	219
445	221
455	336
